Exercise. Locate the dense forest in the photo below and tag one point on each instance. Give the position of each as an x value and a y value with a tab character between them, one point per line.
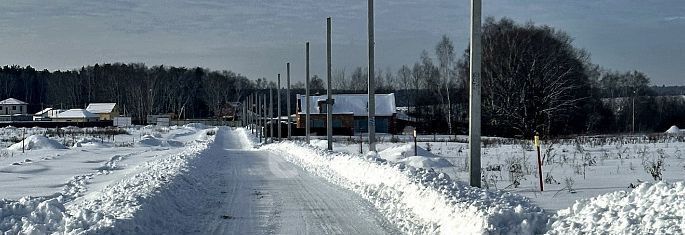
534	79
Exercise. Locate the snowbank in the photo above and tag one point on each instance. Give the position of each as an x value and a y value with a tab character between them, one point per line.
37	142
420	201
117	209
152	140
405	154
648	209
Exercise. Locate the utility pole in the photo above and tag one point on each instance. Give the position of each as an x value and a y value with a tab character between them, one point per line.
271	115
329	100
287	93
264	117
307	120
278	113
633	128
474	95
259	118
372	83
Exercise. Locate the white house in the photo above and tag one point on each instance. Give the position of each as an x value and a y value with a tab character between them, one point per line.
12	106
76	115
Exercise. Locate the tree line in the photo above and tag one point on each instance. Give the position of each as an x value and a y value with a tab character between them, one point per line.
533	79
137	89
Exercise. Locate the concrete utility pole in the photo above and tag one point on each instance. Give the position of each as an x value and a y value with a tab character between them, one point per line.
474	95
287	93
278	107
329	100
372	84
258	121
271	115
264	116
253	103
633	126
307	120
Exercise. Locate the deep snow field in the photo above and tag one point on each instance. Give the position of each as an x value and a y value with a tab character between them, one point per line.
573	169
64	183
86	182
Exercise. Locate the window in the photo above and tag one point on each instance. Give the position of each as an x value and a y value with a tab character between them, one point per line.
14	107
21	108
337	123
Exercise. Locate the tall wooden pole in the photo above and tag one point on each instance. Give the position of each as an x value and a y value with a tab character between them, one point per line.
329	100
278	107
474	92
287	94
372	83
307	99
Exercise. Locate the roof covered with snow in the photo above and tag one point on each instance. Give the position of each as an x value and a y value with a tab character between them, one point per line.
77	113
99	108
355	104
12	101
42	112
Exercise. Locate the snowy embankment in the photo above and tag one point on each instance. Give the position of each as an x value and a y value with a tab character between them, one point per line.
648	209
118	208
419	201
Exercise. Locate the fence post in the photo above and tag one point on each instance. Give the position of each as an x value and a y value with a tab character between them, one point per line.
536	141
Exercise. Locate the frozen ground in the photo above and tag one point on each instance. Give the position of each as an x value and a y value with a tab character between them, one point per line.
574	169
195	179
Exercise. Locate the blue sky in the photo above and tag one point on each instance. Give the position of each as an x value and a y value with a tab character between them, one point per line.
257	37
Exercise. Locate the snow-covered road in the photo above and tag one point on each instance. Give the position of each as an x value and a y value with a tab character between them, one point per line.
258	192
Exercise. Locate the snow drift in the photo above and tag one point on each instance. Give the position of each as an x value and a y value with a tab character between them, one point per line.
120	208
405	154
37	142
648	209
417	200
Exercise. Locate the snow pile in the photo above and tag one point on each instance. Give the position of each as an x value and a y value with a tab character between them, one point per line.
155	140
120	208
673	130
648	209
37	142
420	201
90	142
405	154
196	126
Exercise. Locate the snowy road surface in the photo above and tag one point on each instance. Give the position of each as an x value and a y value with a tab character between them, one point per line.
261	193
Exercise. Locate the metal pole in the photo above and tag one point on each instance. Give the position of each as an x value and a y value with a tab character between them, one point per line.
474	95
372	84
329	100
306	117
287	94
278	107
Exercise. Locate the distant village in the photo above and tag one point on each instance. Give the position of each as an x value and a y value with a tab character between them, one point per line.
349	115
14	111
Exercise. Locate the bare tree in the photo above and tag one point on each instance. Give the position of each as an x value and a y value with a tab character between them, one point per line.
445	52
